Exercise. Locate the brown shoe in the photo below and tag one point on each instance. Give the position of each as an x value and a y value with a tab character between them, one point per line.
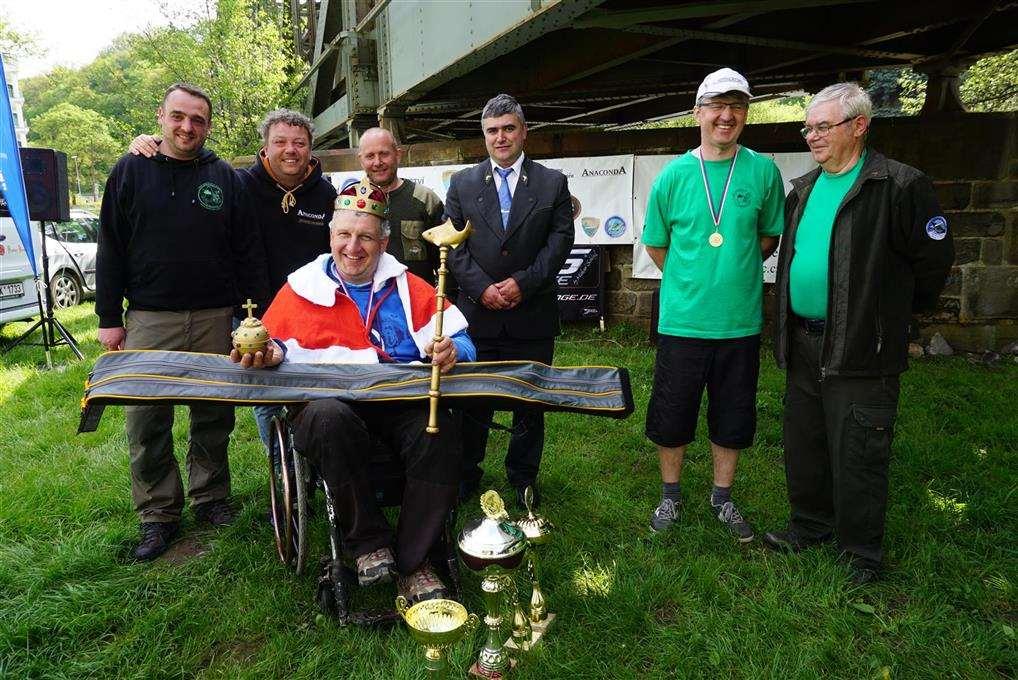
423	584
217	513
375	567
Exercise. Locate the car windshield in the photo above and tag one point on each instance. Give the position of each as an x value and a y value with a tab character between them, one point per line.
81	230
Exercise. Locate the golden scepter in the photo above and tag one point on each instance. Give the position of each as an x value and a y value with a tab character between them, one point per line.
444	236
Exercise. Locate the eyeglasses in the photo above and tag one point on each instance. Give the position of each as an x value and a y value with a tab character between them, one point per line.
823	128
718	107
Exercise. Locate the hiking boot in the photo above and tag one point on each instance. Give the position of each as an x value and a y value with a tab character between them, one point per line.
375	567
423	584
789	541
665	514
732	518
217	513
155	539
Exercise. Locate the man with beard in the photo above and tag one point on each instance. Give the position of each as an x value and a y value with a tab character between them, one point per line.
292	205
175	242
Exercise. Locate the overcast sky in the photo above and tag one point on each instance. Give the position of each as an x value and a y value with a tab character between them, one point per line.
73	31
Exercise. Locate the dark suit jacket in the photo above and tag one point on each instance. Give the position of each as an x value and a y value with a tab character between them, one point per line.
531	250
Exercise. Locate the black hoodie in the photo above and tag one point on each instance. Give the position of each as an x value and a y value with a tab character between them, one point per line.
175	235
292	235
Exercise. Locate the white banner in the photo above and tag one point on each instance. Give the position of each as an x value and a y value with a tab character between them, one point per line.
647	168
601	188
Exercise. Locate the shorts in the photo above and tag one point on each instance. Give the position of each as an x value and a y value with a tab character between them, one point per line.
728	368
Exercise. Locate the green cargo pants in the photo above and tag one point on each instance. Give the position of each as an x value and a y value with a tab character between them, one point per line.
156	487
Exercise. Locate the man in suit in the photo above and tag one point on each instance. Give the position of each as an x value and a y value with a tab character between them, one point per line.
523	231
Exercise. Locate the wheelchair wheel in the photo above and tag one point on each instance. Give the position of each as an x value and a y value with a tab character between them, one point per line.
288	478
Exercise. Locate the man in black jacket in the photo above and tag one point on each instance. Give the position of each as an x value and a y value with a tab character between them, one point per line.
175	242
523	231
292	205
865	245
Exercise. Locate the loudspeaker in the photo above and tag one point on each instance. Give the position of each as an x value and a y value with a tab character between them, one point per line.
45	172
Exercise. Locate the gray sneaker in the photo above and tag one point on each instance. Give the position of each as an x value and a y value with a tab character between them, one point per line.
665	514
732	518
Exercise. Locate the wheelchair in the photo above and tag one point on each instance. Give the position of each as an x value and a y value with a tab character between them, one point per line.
292	486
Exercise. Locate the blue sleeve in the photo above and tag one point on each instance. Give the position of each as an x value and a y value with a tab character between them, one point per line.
465	350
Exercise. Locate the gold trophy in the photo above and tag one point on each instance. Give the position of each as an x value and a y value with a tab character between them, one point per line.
250	336
436	625
493	546
538	532
444	236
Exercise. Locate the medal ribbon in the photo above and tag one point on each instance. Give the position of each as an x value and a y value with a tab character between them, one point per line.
372	310
716	216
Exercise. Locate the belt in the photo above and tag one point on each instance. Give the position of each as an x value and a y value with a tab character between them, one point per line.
813	326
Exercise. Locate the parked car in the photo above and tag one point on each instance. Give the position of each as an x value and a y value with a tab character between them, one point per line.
18	300
71	247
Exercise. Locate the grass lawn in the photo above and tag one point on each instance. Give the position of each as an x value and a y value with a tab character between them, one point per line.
690	603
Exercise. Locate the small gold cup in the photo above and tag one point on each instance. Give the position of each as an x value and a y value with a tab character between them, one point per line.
436	625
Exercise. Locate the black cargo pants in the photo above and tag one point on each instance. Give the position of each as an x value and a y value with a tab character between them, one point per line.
837	439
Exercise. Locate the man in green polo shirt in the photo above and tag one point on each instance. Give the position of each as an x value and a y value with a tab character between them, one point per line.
866	245
714	214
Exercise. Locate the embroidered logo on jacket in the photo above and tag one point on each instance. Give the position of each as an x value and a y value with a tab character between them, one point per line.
210	196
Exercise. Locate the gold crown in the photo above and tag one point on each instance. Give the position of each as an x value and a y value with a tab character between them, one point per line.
363	196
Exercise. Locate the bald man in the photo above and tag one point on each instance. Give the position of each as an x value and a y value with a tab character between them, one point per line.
413	207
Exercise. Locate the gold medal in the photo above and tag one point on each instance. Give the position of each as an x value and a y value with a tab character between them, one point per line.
716	240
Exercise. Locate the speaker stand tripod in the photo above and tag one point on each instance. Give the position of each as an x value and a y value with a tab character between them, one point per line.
47	323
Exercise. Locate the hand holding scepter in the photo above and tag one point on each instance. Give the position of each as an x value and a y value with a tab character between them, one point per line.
444	236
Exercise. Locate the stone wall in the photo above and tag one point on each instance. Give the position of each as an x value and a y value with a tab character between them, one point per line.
971	157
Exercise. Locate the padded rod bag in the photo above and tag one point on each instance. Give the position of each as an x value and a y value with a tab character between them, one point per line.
164	377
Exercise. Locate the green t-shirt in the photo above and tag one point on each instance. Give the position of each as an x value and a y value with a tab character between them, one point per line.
709	292
807	277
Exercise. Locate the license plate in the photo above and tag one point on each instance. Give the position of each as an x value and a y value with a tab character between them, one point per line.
11	290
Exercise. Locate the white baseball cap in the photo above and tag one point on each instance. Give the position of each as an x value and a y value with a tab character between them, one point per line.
721	81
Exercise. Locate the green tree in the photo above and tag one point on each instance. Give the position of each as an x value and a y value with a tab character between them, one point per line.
83	135
15	42
241	56
990	84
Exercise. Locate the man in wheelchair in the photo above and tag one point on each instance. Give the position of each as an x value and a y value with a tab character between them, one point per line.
358	304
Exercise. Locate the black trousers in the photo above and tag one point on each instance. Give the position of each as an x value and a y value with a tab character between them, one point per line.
837	437
337	437
527	440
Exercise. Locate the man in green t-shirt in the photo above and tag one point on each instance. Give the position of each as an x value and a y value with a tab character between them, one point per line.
866	246
714	214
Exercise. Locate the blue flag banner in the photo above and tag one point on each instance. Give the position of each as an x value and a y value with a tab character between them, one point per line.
12	181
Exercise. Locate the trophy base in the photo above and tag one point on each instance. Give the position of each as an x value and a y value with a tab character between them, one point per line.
476	672
537	631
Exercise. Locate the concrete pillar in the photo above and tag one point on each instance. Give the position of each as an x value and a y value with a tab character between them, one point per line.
942	94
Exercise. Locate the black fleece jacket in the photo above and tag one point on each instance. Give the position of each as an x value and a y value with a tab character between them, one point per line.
890	255
293	235
175	235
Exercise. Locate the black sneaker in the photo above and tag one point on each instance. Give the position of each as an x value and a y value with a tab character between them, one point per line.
730	516
789	541
665	514
155	539
216	513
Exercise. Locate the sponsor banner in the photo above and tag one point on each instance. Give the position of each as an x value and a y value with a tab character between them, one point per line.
602	196
581	284
647	168
601	188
